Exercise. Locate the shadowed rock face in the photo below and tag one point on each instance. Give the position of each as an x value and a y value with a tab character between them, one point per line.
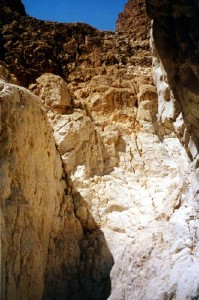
176	42
10	10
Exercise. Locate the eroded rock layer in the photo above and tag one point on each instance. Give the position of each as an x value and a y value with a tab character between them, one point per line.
76	51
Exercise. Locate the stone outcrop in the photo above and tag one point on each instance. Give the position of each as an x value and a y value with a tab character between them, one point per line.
47	241
76	51
32	191
145	199
10	10
99	178
54	93
135	21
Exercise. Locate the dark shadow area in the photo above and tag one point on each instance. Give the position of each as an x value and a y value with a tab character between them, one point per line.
176	34
96	263
121	145
2	50
78	269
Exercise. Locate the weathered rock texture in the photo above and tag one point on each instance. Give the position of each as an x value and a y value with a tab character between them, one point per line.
74	51
135	21
47	250
162	262
11	10
114	180
32	190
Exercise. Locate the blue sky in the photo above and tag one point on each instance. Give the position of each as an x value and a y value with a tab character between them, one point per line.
101	14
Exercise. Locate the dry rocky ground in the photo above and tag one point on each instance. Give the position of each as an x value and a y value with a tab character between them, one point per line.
99	178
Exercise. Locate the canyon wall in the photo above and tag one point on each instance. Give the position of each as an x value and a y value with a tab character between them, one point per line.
47	248
99	178
75	51
161	264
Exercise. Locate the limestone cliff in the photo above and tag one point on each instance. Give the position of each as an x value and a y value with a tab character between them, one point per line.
46	250
99	172
166	267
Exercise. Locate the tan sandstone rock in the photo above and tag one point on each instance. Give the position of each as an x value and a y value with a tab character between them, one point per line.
54	92
32	198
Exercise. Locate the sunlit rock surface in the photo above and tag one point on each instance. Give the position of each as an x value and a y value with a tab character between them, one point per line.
163	260
32	191
143	196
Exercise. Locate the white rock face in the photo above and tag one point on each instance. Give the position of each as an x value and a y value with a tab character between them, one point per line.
126	161
78	143
162	259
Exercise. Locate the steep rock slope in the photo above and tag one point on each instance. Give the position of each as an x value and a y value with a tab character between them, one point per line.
46	251
166	265
77	259
143	197
31	193
74	51
10	10
134	20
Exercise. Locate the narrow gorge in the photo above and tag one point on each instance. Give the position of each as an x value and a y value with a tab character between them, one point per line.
99	163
